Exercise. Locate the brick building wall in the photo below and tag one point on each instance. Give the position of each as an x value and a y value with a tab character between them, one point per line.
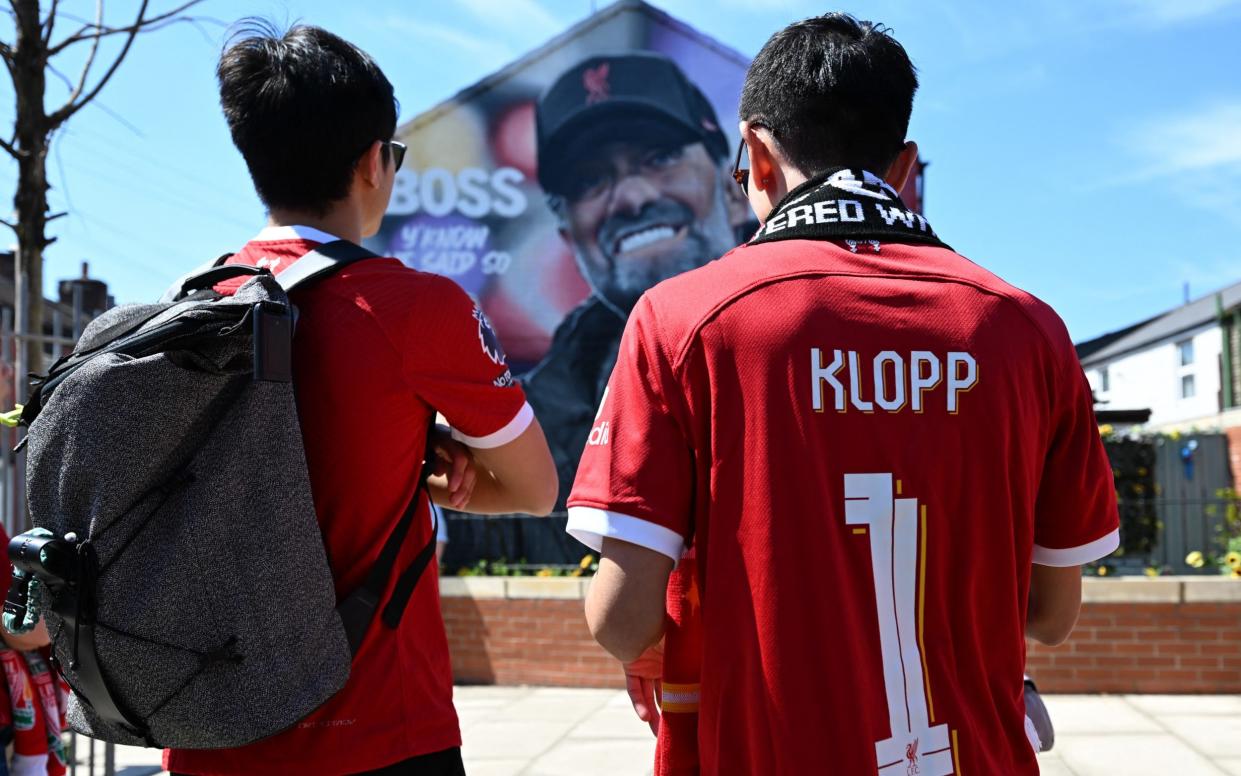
1234	453
1168	635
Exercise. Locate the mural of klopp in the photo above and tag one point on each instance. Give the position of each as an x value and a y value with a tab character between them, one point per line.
636	169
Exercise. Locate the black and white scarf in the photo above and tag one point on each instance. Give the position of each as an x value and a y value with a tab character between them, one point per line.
850	205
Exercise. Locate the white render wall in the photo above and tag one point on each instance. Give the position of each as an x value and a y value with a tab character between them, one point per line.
1151	378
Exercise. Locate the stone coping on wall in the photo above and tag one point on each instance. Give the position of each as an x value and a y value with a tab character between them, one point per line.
1146	590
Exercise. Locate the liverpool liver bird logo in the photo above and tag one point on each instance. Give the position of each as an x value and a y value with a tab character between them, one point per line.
595	80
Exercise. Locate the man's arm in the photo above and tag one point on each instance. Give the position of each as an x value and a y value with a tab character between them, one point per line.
625	605
1055	601
518	476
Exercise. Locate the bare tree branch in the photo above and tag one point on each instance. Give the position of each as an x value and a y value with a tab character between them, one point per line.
12	149
98	29
54	216
50	23
76	91
75	103
9	224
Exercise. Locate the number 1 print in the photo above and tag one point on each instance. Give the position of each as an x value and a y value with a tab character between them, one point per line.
914	745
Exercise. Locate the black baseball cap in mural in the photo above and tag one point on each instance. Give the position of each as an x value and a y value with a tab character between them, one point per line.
636	96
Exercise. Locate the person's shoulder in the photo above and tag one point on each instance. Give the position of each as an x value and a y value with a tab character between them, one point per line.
683	302
384	281
1043	319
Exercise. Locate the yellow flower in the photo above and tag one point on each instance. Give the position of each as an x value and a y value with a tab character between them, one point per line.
1195	560
1103	572
1174	435
1151	571
1233	559
543	573
587	561
1106	429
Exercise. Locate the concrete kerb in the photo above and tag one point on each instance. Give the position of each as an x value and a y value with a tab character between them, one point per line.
1156	590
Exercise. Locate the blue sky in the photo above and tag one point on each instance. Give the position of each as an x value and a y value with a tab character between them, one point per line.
1086	150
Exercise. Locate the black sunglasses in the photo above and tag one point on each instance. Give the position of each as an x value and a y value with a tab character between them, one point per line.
742	177
398	152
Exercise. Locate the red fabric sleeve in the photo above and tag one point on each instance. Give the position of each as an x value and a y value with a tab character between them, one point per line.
636	477
457	366
1076	520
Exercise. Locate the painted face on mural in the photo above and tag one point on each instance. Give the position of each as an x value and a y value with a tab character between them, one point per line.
637	213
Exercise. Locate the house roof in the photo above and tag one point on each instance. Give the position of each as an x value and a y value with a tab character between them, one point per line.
1178	321
583	27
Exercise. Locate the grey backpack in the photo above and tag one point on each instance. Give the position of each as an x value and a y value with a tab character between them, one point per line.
183	575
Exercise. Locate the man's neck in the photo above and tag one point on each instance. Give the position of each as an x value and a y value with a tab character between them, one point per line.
342	221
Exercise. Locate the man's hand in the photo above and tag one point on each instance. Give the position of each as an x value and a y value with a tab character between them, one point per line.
644	682
454	472
24	642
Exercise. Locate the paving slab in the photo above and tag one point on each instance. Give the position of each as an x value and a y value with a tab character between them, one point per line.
1130	754
1097	714
531	731
1214	736
495	767
512	739
1173	705
1231	765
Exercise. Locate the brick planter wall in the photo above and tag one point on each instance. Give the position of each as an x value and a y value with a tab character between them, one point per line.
523	630
1167	635
1148	636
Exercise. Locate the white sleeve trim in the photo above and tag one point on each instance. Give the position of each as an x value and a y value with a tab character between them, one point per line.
1076	556
513	429
590	525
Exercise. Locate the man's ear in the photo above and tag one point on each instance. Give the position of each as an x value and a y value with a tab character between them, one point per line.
903	166
761	148
371	165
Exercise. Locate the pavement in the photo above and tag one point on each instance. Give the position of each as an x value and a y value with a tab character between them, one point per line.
550	731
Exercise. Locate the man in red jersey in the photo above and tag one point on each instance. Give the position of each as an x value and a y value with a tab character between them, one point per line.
884	456
378	350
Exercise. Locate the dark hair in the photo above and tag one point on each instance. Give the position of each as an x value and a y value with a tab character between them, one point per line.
302	108
835	92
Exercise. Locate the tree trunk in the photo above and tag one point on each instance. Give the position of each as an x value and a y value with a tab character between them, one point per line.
30	201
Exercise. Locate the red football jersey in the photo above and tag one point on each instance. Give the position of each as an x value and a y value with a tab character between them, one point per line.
378	349
868	452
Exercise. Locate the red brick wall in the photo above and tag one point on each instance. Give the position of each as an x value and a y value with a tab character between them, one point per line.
1117	647
1234	454
1145	648
525	641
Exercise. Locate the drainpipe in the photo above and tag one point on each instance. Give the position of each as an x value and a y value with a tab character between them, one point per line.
1225	332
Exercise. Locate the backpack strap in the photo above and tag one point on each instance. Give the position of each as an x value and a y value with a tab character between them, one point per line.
321	262
174	291
359	607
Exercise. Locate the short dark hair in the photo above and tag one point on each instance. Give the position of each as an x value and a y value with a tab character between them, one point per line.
835	92
302	107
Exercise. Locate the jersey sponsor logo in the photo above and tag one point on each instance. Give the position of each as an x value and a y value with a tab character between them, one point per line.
488	339
600	434
505	380
890	381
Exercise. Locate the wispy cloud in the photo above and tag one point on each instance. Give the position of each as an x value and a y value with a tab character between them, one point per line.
486	50
532	18
1160	12
1197	154
1206	139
